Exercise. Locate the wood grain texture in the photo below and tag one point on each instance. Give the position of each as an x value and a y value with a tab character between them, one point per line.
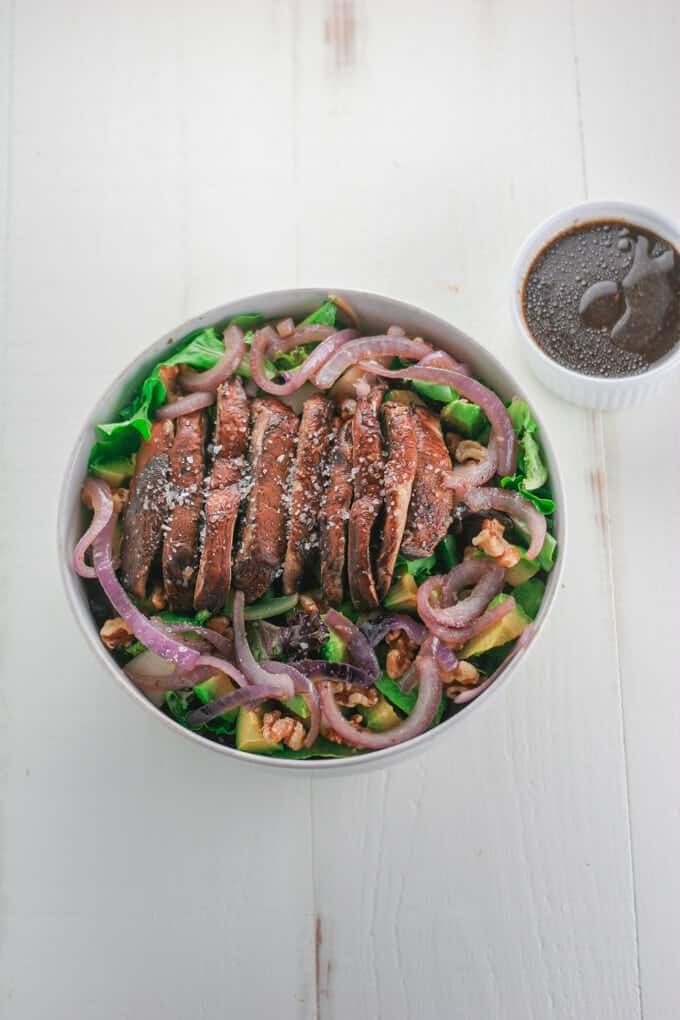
478	870
141	878
631	153
163	158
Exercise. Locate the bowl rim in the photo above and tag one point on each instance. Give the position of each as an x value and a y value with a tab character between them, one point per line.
550	228
72	480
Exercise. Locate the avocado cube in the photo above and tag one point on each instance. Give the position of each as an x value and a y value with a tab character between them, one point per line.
249	733
381	716
464	417
115	472
402	595
507	629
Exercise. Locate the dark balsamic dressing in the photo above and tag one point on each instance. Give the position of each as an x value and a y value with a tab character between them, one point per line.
603	298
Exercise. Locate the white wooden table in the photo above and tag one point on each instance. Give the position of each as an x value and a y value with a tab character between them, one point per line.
164	157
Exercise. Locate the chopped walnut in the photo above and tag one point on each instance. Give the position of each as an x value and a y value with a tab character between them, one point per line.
402	652
396	663
349	696
221	625
115	633
464	675
158	599
490	540
278	728
468	450
120	498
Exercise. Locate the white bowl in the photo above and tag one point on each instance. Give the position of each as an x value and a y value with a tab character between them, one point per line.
376	313
588	390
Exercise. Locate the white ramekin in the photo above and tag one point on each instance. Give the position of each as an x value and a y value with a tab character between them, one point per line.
587	390
376	313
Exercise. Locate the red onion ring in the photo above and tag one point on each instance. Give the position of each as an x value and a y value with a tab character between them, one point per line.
142	628
252	670
222	666
251	694
465	697
447	660
310	334
471	389
474	473
488	582
211	378
523	513
422	716
457	636
375	627
440	359
151	673
359	651
303	686
261	345
223	645
102	504
368	347
185	405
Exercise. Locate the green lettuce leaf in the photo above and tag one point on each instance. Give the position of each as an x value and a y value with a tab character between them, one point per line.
420	569
321	748
529	595
325	315
405	702
119	439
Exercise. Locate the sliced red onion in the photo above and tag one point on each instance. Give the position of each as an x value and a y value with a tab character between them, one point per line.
487	579
251	694
223	645
440	359
214	662
359	652
142	628
474	473
341	672
99	493
471	389
208	381
252	670
396	331
523	513
261	345
365	348
465	697
447	660
152	673
303	686
457	636
422	716
185	405
375	627
310	334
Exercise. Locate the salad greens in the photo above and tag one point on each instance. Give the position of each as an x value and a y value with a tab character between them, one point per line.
278	629
200	350
532	475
